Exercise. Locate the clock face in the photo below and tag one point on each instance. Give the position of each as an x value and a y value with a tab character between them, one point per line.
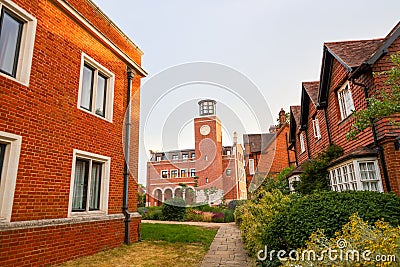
205	129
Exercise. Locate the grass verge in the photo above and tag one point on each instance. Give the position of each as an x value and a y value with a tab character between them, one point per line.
162	245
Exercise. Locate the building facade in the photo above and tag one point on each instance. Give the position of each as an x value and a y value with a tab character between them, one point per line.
372	160
208	173
266	154
67	74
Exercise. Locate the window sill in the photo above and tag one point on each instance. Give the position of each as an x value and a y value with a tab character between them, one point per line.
24	83
345	119
85	214
94	114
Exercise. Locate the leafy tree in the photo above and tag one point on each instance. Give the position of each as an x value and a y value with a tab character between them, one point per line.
386	105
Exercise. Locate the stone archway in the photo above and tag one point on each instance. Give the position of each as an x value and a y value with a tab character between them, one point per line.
168	194
158	197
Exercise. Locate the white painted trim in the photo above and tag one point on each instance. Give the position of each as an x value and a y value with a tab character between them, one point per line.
101	36
110	88
9	173
170	173
24	64
105	183
357	172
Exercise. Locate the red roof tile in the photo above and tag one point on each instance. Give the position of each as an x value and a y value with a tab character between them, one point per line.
312	89
295	110
358	152
354	53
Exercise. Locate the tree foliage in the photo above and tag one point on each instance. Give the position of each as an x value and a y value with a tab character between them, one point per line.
315	175
386	104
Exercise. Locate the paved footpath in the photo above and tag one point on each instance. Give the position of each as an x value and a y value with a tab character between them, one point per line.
227	249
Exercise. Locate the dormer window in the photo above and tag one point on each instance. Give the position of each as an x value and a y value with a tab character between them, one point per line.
345	99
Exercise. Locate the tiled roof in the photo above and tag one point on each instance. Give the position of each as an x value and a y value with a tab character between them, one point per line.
358	152
312	89
258	142
354	53
296	171
295	110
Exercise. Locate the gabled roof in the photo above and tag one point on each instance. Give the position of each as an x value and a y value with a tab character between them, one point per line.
351	54
309	91
294	123
355	56
312	90
295	111
258	142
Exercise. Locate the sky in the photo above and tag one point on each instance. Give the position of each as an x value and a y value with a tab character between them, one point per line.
251	56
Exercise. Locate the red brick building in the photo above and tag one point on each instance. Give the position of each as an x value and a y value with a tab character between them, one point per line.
266	154
66	74
372	161
208	173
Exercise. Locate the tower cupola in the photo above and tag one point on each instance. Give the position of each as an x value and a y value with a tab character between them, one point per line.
207	107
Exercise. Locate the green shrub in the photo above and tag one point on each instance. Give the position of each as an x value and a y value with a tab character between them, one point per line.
174	209
380	239
290	228
228	215
315	175
255	217
193	215
235	203
207	208
279	182
150	213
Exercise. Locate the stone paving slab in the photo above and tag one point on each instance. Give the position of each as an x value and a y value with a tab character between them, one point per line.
227	249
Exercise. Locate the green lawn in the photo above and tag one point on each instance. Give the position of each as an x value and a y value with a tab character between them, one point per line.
162	245
177	233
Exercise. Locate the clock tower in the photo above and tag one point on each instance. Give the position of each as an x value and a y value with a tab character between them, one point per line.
208	143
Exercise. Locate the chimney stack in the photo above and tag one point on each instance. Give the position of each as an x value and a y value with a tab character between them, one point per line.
282	117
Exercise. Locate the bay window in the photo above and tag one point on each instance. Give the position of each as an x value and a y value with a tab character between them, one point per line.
357	174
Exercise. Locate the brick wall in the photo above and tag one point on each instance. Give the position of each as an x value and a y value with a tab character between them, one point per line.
44	246
45	114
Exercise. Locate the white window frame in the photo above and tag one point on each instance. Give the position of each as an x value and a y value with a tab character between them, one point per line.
105	182
317	130
162	174
347	175
185	157
24	64
174	170
302	144
190	174
158	158
251	167
9	173
108	116
175	157
346	105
